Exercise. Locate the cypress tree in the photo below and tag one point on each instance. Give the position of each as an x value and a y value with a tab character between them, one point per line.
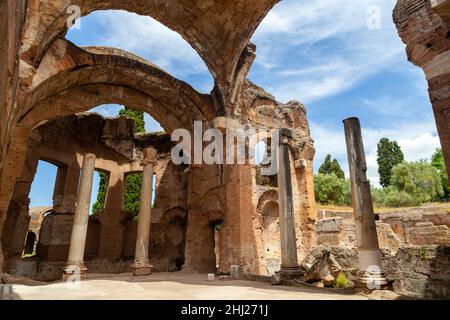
389	155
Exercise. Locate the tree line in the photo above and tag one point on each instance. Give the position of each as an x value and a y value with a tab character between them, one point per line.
403	183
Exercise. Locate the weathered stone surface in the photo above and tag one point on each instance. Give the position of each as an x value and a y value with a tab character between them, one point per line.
415	271
424	27
321	266
54	72
396	228
421	271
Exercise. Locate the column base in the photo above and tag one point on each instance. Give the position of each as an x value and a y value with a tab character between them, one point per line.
374	280
140	268
74	272
288	273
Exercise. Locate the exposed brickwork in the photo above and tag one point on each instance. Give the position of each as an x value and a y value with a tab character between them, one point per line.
425	30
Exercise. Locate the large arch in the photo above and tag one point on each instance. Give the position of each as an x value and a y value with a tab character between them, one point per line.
70	80
219	31
96	75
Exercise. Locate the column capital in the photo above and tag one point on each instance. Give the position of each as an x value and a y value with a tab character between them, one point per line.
89	156
150	156
149	161
150	153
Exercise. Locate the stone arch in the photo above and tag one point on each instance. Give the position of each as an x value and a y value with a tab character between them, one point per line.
268	196
98	75
219	31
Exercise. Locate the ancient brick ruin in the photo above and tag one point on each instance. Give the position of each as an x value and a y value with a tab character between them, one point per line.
47	84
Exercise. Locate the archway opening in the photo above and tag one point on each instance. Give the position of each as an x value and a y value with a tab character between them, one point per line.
44	189
147	38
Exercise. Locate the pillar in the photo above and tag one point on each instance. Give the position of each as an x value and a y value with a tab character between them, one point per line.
141	264
370	266
75	261
289	259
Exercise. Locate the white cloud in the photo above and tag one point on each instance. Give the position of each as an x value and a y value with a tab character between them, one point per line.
148	38
419	147
326	46
107	110
417	140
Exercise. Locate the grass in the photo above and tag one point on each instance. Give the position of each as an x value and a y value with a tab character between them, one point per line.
342	281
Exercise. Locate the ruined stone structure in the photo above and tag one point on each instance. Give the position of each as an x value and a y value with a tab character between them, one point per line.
47	78
414	242
424	26
227	218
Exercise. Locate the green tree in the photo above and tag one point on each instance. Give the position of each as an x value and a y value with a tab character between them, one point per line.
137	116
392	197
419	179
330	189
133	184
99	205
133	181
437	161
389	155
328	167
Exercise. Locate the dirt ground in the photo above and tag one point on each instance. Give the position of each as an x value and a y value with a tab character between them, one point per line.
171	286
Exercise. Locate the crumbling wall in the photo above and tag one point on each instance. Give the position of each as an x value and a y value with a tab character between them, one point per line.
425	225
13	18
415	244
414	271
424	27
63	142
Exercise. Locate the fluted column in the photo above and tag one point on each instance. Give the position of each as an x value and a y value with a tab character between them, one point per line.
289	259
141	264
369	254
75	261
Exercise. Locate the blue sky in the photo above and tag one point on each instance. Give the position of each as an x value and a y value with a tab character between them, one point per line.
320	52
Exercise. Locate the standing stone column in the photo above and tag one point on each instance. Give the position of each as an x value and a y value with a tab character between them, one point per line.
289	259
75	262
371	273
141	265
